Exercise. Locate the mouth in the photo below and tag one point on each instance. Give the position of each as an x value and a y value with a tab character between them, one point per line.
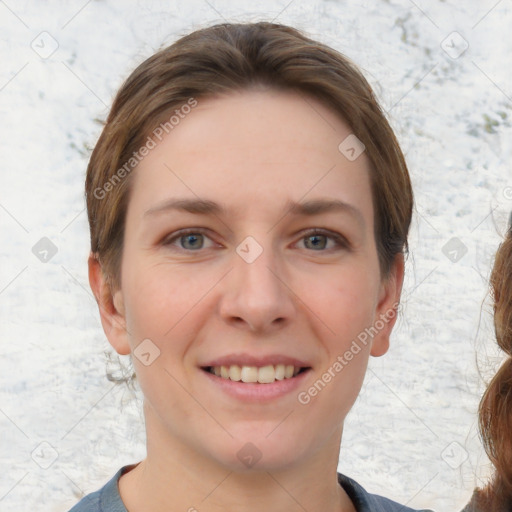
256	374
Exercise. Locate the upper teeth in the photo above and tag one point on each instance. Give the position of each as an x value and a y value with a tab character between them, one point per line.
263	374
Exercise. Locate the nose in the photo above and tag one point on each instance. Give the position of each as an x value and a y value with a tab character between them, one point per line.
256	295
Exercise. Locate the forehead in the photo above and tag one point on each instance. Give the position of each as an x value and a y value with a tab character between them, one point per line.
253	146
262	120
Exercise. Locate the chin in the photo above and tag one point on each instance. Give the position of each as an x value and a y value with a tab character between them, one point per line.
253	454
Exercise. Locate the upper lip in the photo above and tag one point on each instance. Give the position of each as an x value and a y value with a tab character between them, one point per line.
250	360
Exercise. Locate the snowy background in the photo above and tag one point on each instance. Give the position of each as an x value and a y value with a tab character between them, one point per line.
442	72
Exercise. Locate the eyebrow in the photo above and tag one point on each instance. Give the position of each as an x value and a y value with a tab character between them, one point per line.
319	206
198	206
307	208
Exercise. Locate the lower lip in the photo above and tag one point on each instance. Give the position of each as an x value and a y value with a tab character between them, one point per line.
254	391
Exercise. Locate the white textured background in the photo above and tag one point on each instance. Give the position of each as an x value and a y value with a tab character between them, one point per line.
412	434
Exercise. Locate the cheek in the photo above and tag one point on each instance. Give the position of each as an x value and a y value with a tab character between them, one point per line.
158	308
331	396
347	302
168	306
158	296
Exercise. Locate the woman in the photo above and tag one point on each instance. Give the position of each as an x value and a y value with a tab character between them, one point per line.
249	207
495	412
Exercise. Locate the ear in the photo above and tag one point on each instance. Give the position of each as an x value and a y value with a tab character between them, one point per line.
111	307
387	308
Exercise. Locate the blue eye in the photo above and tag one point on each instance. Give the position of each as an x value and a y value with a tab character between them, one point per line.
317	240
188	240
195	241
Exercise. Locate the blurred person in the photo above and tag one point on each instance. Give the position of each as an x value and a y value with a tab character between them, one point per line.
495	411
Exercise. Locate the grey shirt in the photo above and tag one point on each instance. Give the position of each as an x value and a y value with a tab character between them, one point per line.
108	499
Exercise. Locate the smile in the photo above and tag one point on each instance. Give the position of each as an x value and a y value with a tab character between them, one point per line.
254	374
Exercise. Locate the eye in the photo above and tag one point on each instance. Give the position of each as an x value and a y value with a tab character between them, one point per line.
318	240
195	239
188	240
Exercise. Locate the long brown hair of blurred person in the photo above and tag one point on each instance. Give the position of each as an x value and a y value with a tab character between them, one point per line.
495	412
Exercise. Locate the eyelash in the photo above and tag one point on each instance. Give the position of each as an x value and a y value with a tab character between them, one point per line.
341	242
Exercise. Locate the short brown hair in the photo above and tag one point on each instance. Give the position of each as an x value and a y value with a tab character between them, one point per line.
234	57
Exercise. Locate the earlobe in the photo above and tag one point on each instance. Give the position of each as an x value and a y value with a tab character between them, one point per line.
111	307
387	308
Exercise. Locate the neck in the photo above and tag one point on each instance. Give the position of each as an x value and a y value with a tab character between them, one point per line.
174	477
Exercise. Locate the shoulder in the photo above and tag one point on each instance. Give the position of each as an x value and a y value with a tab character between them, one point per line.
365	502
89	503
472	505
106	499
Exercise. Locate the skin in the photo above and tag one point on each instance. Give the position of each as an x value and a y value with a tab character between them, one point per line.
251	152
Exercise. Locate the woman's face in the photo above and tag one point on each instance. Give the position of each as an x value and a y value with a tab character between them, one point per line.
249	247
